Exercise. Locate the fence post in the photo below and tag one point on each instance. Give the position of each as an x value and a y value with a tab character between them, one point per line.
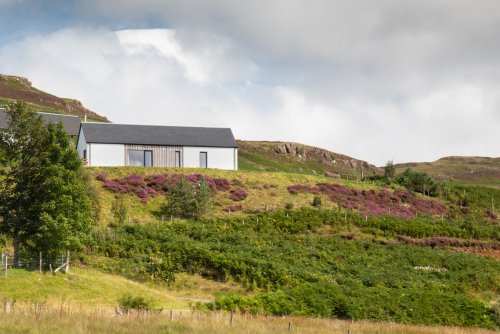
231	321
289	326
6	261
40	262
66	269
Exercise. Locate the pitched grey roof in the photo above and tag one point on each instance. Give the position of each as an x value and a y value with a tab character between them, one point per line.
107	133
71	123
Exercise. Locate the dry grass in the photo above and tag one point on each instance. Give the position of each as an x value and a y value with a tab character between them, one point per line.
80	320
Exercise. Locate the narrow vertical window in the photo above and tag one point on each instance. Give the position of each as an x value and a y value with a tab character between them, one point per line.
177	158
203	160
148	158
85	154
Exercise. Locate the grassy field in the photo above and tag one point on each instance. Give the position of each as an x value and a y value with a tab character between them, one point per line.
86	287
79	320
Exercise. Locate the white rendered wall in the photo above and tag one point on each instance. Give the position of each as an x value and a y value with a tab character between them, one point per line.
104	155
82	144
217	157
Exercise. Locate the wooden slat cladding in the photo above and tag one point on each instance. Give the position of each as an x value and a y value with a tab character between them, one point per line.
163	156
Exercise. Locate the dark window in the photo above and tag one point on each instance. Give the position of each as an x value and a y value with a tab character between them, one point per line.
203	160
177	158
85	154
140	158
148	158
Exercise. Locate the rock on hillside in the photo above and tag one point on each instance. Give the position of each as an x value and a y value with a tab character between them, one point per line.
20	88
294	157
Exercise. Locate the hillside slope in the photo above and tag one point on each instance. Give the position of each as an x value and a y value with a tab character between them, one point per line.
80	287
298	158
19	88
466	170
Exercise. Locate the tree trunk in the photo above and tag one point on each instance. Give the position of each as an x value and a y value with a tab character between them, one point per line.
15	244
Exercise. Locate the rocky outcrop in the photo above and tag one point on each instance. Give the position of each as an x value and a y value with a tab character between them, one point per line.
19	88
304	152
331	163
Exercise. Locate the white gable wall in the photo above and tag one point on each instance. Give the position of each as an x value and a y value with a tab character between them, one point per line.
217	157
82	143
106	155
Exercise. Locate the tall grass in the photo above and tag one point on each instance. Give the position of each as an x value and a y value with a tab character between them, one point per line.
57	319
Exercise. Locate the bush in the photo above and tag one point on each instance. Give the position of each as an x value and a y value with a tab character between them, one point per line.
119	210
238	194
317	202
129	302
189	200
418	182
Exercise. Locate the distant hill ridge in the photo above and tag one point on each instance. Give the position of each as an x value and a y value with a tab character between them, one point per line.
20	88
481	170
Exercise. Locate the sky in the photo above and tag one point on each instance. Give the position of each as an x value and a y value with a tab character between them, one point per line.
378	80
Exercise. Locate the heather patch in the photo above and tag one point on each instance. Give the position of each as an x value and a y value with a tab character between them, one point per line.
238	194
160	184
399	203
234	208
447	242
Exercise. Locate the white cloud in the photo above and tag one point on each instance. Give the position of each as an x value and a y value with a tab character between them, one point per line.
376	80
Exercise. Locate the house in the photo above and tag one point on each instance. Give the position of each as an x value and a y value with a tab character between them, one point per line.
71	123
109	144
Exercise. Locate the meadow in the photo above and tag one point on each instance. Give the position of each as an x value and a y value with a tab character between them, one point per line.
80	320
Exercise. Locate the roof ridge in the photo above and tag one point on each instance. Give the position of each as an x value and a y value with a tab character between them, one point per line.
153	125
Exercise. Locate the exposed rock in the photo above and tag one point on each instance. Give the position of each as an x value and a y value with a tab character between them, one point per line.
334	163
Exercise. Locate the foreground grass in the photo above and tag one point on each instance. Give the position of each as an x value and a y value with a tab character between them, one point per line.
80	320
79	287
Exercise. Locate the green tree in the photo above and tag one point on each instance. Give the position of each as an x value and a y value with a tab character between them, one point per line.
419	182
389	170
191	200
44	202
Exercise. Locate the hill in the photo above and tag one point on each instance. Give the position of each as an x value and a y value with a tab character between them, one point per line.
298	158
465	170
19	88
363	252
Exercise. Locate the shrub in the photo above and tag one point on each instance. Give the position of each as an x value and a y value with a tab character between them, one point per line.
238	194
129	302
417	181
234	208
189	200
119	210
317	202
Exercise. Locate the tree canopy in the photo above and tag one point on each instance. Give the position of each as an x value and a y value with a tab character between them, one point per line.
44	204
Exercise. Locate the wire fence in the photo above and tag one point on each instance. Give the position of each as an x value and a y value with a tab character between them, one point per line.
43	265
